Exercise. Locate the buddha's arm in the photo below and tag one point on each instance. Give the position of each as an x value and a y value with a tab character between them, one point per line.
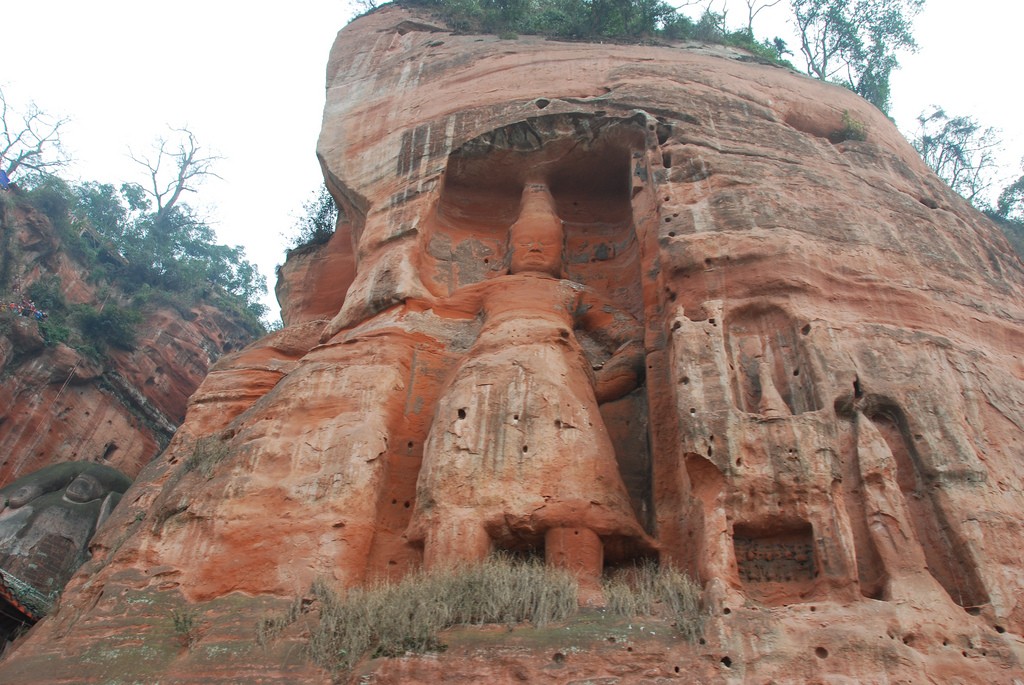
618	331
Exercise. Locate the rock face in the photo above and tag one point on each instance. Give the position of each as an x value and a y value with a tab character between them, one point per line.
57	405
802	354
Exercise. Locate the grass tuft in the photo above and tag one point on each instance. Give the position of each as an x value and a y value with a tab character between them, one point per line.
393	619
649	589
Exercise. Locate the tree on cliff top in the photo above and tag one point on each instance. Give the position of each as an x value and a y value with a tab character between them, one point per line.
29	140
149	241
854	42
959	150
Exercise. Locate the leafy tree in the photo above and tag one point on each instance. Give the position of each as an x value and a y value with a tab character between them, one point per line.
30	140
960	151
318	221
1010	205
854	42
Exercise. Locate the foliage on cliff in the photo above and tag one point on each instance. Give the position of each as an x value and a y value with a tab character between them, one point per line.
317	223
124	248
627	20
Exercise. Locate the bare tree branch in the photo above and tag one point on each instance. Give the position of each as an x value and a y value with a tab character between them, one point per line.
753	9
30	140
190	168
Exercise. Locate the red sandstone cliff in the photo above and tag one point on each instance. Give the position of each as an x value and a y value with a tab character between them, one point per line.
826	434
57	404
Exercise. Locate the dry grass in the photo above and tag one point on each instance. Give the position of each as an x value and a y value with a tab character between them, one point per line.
270	627
392	619
206	454
652	590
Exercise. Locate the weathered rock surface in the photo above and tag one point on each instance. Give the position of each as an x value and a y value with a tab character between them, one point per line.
58	405
826	434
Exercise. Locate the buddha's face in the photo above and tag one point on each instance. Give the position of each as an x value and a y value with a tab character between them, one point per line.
537	249
536	236
85	488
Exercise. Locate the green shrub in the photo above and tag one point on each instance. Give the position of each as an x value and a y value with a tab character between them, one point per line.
853	129
47	295
186	626
54	333
113	326
52	197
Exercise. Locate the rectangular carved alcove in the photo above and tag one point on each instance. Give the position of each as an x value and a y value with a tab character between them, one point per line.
775	563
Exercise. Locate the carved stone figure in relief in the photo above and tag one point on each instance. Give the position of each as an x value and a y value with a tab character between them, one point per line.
518	456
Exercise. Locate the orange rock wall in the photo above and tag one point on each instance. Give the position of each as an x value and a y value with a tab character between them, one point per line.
827	434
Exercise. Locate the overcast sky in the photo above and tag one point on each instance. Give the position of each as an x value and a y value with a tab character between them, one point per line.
248	80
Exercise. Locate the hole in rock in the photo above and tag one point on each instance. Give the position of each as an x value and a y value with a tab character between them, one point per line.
406	504
726	611
664	131
1000	629
558	657
677	669
686	379
541	103
666	160
526	449
821	652
462	413
671	234
806	329
727	662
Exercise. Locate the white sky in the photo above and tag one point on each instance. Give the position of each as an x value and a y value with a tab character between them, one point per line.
248	80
